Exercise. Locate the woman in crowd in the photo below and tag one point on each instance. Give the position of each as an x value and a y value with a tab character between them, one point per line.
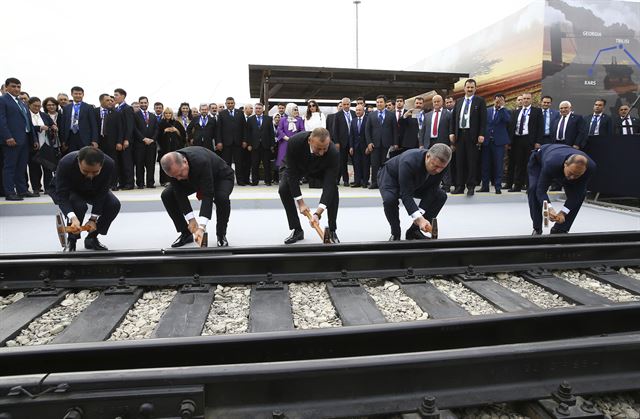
276	176
184	115
43	126
50	106
171	137
289	125
314	118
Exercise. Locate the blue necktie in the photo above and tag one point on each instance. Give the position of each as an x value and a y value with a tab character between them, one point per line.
24	115
546	122
76	115
594	124
380	117
259	122
359	124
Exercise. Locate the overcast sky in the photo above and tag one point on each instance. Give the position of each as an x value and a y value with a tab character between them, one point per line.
199	51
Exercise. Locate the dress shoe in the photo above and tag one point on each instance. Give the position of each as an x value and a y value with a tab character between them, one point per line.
254	183
555	188
556	231
345	183
222	241
127	187
459	190
414	233
242	184
267	183
29	195
71	245
515	189
394	238
365	185
13	197
484	189
356	185
115	188
536	232
334	237
498	191
295	236
373	186
183	239
446	189
471	191
151	186
140	186
92	243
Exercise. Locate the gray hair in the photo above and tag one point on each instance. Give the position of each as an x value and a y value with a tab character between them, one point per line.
440	151
172	158
565	102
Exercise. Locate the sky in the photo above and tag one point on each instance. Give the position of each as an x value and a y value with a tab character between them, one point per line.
199	51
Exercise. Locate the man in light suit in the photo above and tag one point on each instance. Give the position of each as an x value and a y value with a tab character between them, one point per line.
17	136
467	134
357	147
599	124
381	135
340	136
78	126
435	130
496	138
525	130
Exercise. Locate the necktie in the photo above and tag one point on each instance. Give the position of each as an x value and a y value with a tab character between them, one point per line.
399	116
359	124
203	121
434	130
628	129
495	113
231	113
380	117
465	117
76	115
561	130
158	117
347	116
546	122
103	113
24	115
594	124
523	116
146	118
259	122
420	120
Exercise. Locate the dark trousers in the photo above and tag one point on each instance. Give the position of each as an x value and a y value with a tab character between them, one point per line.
535	205
14	168
343	171
361	165
492	164
260	154
431	201
125	166
110	209
290	206
467	159
36	172
204	142
450	170
222	191
521	147
145	159
378	158
237	154
246	164
74	142
510	168
109	149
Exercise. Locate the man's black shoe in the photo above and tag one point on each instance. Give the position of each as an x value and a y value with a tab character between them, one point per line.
115	188
92	243
222	241
555	188
71	245
295	236
498	191
394	238
357	185
514	189
183	239
267	183
471	191
127	187
29	195
536	232
13	197
151	186
555	231
484	189
334	237
414	233
373	186
140	186
459	190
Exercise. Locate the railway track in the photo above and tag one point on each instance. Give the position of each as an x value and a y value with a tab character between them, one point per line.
468	322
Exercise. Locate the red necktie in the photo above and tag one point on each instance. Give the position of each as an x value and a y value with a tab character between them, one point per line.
434	132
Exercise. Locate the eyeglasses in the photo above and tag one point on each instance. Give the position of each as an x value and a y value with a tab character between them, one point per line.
312	104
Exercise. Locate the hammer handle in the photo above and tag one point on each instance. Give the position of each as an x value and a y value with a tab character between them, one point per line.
68	229
315	224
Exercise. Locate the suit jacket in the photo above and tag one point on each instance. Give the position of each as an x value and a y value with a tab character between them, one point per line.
550	159
299	162
231	129
331	119
384	135
497	126
205	168
606	125
341	128
553	115
575	132
408	132
13	123
618	127
87	128
127	123
406	173
264	135
143	129
69	179
112	128
535	125
202	135
357	137
444	125
477	117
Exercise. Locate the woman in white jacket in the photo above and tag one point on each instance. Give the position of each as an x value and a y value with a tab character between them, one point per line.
314	118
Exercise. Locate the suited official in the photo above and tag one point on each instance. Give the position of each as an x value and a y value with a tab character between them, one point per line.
202	129
468	126
262	140
77	126
314	155
83	178
567	166
435	130
414	174
409	126
197	170
548	116
381	135
495	141
231	132
110	131
331	118
598	124
17	136
340	136
124	145
626	124
357	146
145	146
569	128
525	130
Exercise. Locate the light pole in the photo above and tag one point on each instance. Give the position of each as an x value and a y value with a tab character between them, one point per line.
357	2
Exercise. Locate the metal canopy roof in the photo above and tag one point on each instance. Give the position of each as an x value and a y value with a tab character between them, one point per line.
323	83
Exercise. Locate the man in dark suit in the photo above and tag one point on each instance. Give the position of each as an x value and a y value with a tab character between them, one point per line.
77	126
331	118
569	167
110	131
124	144
569	128
414	174
525	130
340	136
202	130
626	124
357	147
17	136
409	126
231	132
467	134
261	139
83	177
381	134
496	138
435	130
197	170
145	145
599	124
314	155
548	116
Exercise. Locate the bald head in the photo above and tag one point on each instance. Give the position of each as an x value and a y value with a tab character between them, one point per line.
575	166
175	165
437	102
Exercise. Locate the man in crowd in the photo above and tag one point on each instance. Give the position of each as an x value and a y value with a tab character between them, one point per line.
145	145
435	130
381	132
340	137
414	174
626	124
124	145
315	156
569	128
548	116
600	124
261	139
197	170
78	126
158	109
231	132
409	126
498	121
525	130
569	167
357	147
202	129
63	100
83	177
